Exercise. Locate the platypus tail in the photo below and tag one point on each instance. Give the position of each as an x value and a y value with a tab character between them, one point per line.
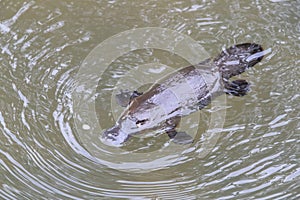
236	59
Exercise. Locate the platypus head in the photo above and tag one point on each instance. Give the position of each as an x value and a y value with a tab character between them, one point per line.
126	125
114	136
236	59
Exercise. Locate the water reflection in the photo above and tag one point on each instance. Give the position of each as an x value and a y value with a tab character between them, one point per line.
42	46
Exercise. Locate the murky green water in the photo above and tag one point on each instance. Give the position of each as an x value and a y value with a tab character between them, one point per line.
256	155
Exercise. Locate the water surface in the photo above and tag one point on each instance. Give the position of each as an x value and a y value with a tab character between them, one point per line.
43	45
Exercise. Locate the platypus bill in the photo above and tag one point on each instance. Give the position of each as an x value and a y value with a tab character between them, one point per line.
180	93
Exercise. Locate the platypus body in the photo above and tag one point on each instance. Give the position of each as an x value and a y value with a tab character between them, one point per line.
183	92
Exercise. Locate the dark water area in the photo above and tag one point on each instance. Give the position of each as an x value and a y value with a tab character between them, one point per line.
62	62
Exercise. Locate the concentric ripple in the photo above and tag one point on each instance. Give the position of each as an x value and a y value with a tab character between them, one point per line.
42	46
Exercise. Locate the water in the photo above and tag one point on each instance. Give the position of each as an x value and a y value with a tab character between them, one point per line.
255	155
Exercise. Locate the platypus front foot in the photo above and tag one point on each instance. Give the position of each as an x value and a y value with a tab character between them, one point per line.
180	137
125	97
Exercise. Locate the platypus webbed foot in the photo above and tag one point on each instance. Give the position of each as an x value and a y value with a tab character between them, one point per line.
237	87
125	97
180	137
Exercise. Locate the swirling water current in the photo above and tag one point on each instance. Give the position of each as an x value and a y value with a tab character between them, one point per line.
43	44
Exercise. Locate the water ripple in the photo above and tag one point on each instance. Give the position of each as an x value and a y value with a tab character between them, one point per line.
41	157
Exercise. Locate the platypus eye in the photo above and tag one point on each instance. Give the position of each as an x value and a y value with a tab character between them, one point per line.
141	122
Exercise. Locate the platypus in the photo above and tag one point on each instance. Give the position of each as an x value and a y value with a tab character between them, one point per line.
182	92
